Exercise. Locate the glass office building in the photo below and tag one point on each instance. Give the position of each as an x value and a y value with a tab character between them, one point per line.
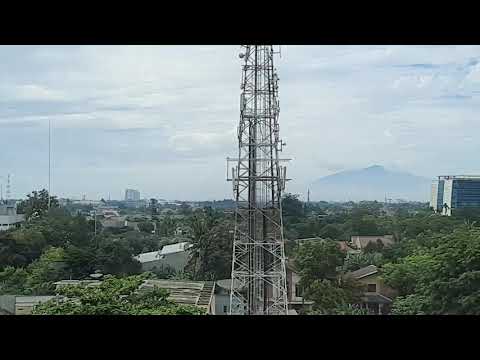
456	192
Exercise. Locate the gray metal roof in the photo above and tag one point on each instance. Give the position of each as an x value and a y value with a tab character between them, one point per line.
183	292
377	298
175	248
148	257
31	300
227	283
363	272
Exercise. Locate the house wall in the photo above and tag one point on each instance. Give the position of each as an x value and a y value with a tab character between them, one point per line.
222	302
23	309
10	221
382	288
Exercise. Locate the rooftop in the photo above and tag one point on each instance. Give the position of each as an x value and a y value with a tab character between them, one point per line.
175	248
363	272
197	293
32	300
148	257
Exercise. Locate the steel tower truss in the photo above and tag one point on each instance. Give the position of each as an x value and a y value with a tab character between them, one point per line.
258	266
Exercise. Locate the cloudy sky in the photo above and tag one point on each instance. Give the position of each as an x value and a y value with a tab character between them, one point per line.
162	118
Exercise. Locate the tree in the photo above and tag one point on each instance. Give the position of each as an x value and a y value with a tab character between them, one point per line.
115	257
357	261
146	227
331	231
291	206
212	247
317	260
330	297
36	204
114	296
49	268
440	275
13	281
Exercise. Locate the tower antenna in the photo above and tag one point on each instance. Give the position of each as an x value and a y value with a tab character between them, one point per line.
7	195
258	284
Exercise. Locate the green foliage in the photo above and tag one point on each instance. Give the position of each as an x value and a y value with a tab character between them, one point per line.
330	297
291	206
146	227
13	281
36	204
114	296
343	309
212	251
441	275
115	257
318	260
49	268
357	261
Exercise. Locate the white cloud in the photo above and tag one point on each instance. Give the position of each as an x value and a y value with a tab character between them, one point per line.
169	107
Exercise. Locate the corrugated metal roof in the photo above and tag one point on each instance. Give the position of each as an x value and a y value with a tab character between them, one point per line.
147	257
227	283
365	271
24	300
175	248
182	292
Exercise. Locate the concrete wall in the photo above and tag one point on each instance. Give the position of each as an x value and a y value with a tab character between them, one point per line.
7	303
222	302
10	221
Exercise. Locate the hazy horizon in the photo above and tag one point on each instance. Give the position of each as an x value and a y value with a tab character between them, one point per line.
162	119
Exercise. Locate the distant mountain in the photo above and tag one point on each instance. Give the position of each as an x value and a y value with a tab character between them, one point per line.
371	183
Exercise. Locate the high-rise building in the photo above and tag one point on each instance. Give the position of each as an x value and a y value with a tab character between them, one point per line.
436	200
455	192
132	195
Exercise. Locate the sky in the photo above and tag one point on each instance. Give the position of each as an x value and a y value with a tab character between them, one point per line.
162	119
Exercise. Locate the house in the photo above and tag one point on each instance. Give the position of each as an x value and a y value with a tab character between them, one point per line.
360	242
377	297
294	291
21	305
222	296
9	218
198	293
173	257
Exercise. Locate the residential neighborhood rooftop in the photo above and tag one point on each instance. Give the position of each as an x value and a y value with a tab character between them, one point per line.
363	272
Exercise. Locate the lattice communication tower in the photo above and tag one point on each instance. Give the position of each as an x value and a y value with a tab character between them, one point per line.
258	267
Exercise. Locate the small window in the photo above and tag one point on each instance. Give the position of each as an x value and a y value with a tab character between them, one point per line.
372	288
225	309
298	291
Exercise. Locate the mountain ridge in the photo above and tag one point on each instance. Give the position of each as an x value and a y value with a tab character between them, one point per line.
370	183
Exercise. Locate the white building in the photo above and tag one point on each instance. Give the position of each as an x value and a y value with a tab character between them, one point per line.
455	192
132	195
9	217
174	257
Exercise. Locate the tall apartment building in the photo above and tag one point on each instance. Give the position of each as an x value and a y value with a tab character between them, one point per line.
455	192
132	195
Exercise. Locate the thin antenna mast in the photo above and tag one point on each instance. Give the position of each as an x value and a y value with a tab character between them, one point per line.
7	196
49	162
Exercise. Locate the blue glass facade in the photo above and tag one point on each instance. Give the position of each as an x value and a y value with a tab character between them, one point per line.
465	193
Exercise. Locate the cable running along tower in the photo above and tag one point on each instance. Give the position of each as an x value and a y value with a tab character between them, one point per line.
258	265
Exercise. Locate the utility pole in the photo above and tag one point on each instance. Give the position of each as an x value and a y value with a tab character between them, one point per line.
258	267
